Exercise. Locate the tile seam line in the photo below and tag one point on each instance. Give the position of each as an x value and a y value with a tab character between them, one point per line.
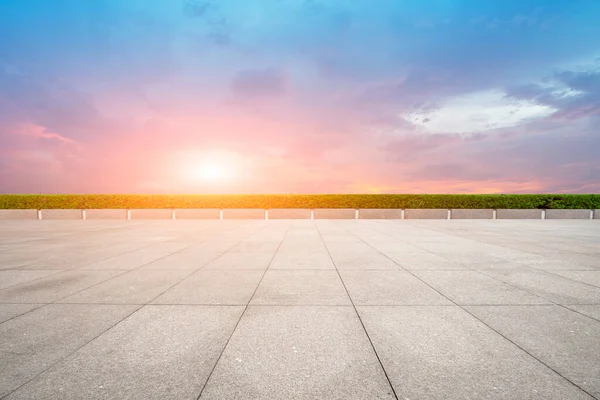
27	312
91	262
71	294
229	248
241	316
62	359
481	271
468	238
531	355
57	271
73	352
123	273
387	377
579	312
484	323
201	267
67	235
150	262
553	272
89	287
552	302
86	288
447	259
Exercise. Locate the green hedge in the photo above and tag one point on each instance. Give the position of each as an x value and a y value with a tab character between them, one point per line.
87	201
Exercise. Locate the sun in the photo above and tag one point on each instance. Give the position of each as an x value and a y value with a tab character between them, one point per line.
208	168
210	172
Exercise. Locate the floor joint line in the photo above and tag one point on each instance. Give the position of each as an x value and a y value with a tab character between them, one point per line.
360	319
478	319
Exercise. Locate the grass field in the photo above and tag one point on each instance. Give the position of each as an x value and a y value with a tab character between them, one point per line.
270	201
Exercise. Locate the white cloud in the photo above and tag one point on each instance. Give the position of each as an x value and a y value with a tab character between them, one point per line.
479	112
559	90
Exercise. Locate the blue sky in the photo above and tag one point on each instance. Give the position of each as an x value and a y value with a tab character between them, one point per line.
305	96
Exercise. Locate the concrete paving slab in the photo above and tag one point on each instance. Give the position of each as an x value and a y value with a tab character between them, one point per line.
379	213
211	287
453	248
133	287
54	287
302	239
564	340
425	213
423	261
197	213
553	259
301	288
547	263
243	213
55	257
134	360
389	288
389	245
472	287
8	311
568	214
588	260
445	353
591	311
549	286
132	259
184	260
298	244
18	214
10	278
289	213
61	214
157	213
589	277
21	259
306	232
358	256
301	353
204	251
477	260
33	342
345	239
241	261
60	261
256	246
106	213
518	214
310	258
335	213
459	213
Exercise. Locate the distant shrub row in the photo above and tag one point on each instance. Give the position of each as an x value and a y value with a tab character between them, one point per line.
87	201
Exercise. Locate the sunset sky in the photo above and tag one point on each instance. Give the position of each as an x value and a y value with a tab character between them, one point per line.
300	96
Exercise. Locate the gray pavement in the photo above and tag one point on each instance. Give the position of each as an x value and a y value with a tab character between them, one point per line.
300	309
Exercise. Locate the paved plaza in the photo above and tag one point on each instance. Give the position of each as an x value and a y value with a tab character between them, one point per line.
300	309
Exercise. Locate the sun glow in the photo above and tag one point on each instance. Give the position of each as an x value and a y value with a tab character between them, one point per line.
209	172
214	168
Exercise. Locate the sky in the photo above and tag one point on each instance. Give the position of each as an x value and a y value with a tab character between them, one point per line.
300	96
